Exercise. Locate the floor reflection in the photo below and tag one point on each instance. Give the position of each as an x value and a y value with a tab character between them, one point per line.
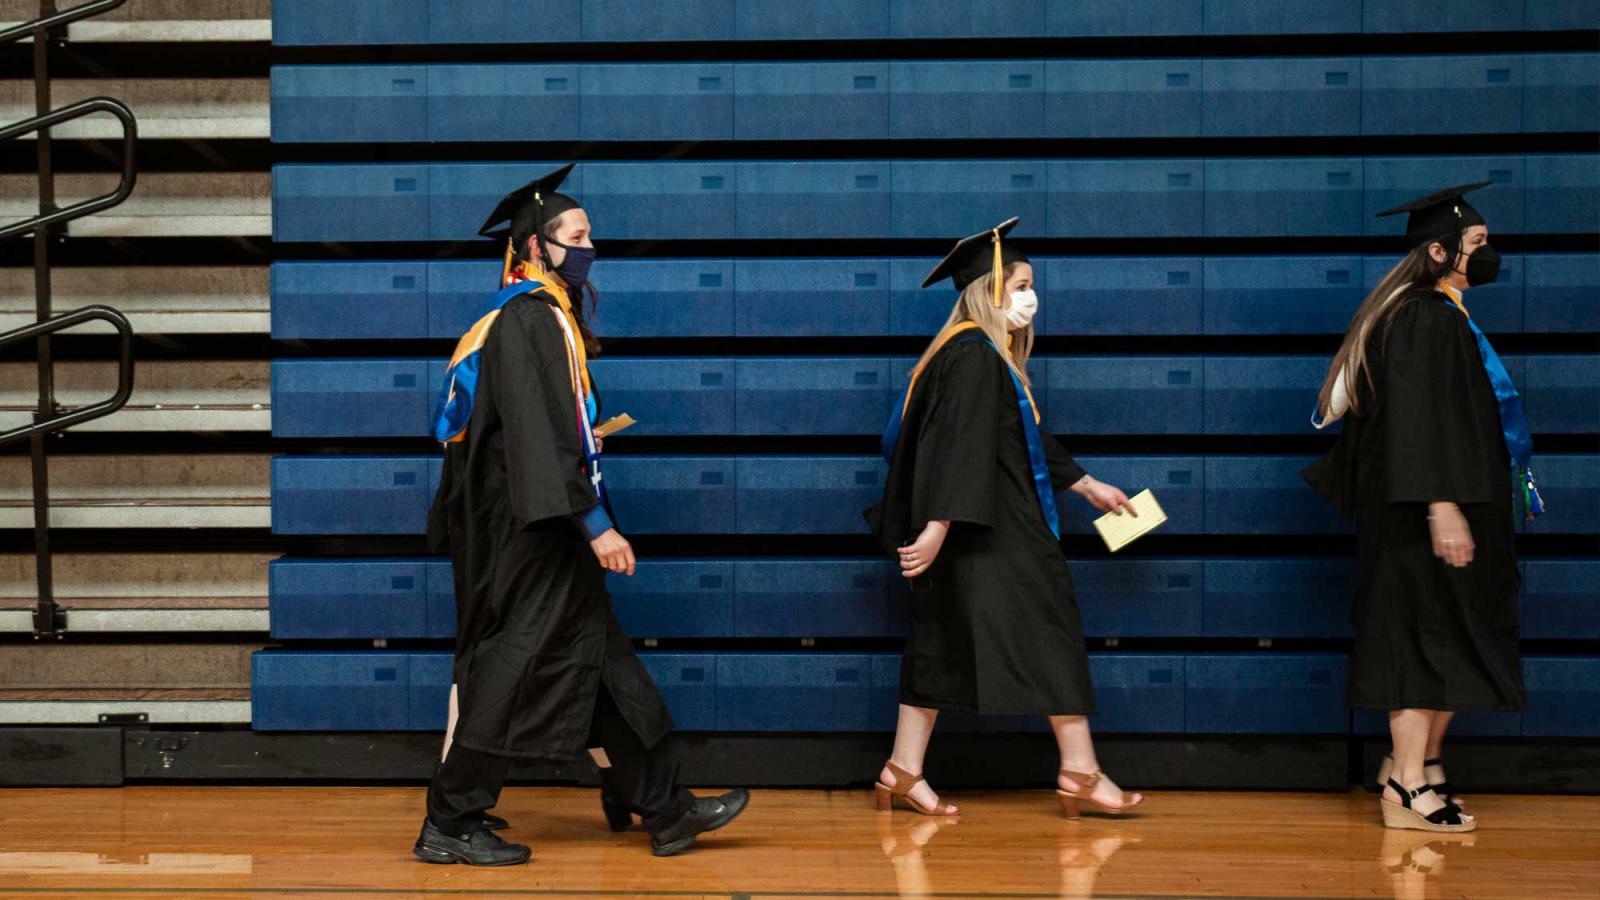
137	864
1414	860
1082	850
904	841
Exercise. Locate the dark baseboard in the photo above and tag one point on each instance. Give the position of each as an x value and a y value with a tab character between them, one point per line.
1507	765
60	757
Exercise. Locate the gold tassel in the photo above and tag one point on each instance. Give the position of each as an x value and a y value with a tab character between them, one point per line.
998	272
505	268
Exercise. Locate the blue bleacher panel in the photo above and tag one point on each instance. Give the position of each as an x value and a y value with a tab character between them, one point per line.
673	494
1563	696
673	598
460	292
794	692
1570	485
463	193
350	202
1125	394
1497	308
1278	598
1262	394
663	297
966	99
1282	197
1392	181
677	396
1470	722
688	683
1095	98
354	397
667	20
655	199
1282	294
938	199
1563	293
811	101
813	298
965	18
441	597
1138	692
352	494
1091	18
1126	198
503	21
1396	88
1561	92
919	311
1230	17
502	103
1264	495
1269	97
657	102
814	396
1119	296
1265	693
428	700
349	299
1550	15
300	690
1563	194
807	199
807	494
1433	17
1139	598
1177	481
353	598
784	20
816	598
1561	599
317	22
349	103
1562	393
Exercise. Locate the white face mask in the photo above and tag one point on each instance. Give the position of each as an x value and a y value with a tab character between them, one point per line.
1023	305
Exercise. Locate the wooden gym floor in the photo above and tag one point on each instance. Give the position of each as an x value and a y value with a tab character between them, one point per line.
231	842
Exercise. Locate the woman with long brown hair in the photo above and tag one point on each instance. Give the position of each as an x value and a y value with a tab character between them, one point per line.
969	511
1432	431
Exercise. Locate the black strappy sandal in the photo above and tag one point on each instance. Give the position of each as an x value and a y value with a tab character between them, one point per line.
1442	788
1448	818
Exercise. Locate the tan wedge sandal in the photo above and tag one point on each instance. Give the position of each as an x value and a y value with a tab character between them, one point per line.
899	796
1447	818
1086	782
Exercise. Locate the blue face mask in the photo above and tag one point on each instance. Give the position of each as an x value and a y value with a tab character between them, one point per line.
574	269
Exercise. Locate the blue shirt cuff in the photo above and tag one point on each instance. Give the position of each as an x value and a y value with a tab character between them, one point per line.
593	521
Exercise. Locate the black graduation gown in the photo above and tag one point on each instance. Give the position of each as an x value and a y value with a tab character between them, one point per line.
536	636
1428	635
995	626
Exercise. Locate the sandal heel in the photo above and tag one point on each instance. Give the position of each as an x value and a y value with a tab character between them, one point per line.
1069	804
883	798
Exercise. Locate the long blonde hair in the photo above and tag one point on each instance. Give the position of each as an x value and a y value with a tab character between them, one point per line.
1376	313
976	304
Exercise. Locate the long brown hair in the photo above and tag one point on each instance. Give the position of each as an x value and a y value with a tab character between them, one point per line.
976	304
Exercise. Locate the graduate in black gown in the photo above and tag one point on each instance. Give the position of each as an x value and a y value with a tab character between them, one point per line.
1432	455
542	669
969	511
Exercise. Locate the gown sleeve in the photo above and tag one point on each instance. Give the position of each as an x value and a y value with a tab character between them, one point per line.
958	438
1434	392
1064	470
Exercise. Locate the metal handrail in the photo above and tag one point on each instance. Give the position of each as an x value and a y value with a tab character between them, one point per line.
82	414
130	134
65	17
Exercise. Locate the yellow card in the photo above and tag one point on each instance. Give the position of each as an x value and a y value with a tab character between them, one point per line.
1119	531
613	425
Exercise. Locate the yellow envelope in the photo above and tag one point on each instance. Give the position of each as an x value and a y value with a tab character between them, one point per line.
1119	531
613	425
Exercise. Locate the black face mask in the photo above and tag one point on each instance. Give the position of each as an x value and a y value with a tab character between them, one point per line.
574	268
1483	266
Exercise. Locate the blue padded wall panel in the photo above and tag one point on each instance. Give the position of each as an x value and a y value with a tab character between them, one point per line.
349	598
675	598
669	396
1562	393
460	292
794	692
352	494
1125	198
1563	194
815	598
1392	181
806	199
428	694
1138	598
1278	598
1091	18
1271	97
1563	293
1439	16
350	202
965	18
1551	15
672	494
808	494
463	192
688	684
966	99
657	102
318	22
1124	394
1563	696
490	21
1561	599
1282	294
1570	485
1122	98
1265	495
1230	17
883	705
352	397
812	298
664	297
940	199
1138	693
1262	394
814	396
349	299
1282	197
1120	296
502	103
1396	87
1177	481
665	20
1497	308
296	690
659	200
915	310
1265	693
441	597
811	101
1561	92
349	103
783	20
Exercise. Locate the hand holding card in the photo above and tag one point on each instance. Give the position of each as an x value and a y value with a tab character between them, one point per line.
1118	529
613	425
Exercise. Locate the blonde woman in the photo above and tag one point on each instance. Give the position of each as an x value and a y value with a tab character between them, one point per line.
969	510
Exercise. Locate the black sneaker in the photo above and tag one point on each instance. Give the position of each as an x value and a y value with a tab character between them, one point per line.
492	822
477	848
618	817
707	814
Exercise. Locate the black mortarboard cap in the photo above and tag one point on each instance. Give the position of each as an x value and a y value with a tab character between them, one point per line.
528	208
1440	214
973	256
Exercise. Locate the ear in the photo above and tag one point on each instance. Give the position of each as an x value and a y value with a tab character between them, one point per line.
1436	252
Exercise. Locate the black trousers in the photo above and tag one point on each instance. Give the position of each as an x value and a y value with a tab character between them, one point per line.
642	779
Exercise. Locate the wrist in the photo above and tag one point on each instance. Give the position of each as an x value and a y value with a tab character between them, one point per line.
1082	485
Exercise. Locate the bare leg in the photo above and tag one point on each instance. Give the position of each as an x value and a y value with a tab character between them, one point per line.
1409	729
1077	755
1441	723
911	736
